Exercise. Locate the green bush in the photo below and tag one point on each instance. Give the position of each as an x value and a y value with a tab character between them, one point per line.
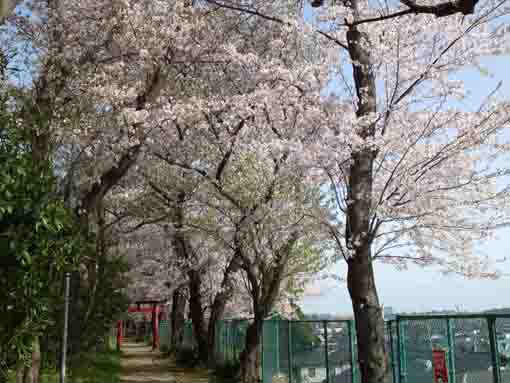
40	239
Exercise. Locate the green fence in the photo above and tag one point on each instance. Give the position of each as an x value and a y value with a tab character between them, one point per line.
474	348
230	337
309	351
188	340
164	334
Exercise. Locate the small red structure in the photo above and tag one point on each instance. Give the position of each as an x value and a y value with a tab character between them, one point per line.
155	309
440	366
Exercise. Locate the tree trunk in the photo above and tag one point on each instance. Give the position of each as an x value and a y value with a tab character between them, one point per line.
96	268
197	314
372	353
30	373
217	310
35	367
20	373
249	371
263	300
372	356
177	319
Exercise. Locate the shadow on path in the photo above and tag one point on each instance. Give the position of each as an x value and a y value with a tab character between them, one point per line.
141	364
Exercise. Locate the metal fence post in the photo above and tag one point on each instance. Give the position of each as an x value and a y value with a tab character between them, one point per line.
393	362
289	338
226	351
235	331
216	342
262	351
277	345
402	357
496	372
230	341
451	351
352	350
325	323
63	355
221	341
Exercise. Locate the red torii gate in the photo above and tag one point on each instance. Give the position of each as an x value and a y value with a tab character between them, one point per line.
155	309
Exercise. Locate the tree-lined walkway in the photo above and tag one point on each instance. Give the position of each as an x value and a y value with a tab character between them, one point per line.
140	364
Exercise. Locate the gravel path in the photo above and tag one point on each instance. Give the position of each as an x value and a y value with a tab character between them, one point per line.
140	364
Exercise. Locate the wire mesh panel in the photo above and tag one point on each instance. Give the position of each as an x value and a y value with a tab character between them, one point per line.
230	340
339	352
219	343
392	349
283	347
188	340
275	348
472	354
270	351
238	330
229	354
503	347
469	346
417	340
164	334
307	352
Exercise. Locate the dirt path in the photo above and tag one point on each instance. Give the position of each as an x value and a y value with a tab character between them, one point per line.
140	364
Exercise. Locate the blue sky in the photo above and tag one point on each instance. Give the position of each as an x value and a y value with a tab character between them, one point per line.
418	289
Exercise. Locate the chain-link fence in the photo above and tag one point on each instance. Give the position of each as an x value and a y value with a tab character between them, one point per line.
455	348
320	351
421	349
165	328
230	338
188	339
164	334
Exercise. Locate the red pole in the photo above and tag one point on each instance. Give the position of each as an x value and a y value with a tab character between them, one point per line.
119	334
155	328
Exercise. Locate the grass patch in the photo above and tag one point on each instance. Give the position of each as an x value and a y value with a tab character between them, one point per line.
101	367
98	367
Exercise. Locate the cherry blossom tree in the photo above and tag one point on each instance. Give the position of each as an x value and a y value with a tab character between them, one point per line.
107	139
203	129
161	208
104	134
409	166
258	204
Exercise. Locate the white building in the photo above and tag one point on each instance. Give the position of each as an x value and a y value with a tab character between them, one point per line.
318	374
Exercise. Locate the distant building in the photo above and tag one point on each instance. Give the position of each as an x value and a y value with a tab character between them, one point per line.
310	367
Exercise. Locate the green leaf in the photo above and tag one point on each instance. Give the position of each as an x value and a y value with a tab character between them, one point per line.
27	257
